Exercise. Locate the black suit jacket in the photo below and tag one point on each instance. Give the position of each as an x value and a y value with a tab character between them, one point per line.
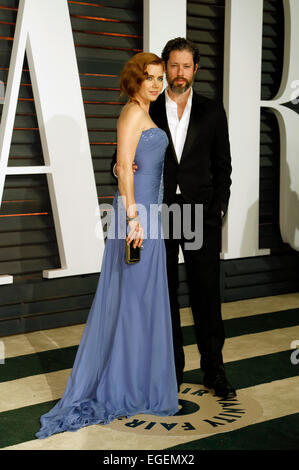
203	173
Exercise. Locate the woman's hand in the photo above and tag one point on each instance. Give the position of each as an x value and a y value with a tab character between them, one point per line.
136	234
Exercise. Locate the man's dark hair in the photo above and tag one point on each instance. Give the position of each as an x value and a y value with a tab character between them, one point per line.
180	44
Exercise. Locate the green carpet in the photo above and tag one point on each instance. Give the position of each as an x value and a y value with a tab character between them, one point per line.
20	425
275	434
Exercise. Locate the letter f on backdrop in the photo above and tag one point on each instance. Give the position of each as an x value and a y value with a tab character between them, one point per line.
44	31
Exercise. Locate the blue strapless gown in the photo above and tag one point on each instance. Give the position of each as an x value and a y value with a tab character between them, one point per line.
125	364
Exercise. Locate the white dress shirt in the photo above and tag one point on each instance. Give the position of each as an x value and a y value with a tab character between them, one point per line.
178	127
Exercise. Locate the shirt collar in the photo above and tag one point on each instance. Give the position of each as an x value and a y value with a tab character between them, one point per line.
170	102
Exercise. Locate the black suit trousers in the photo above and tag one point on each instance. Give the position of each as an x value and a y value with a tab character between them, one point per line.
203	275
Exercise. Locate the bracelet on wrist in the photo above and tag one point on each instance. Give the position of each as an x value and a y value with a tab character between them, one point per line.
131	218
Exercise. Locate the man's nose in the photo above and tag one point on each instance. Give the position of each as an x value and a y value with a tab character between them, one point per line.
181	71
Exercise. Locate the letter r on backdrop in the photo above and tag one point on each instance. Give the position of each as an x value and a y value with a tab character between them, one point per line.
242	100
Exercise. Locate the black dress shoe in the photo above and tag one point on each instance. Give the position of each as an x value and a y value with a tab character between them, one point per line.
221	386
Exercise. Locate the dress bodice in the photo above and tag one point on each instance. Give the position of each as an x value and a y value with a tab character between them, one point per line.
148	179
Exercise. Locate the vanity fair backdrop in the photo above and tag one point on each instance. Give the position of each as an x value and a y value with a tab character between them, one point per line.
105	35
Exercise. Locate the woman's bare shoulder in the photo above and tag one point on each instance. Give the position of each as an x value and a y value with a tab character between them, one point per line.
133	115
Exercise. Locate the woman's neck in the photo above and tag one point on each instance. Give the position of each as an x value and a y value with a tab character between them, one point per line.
143	104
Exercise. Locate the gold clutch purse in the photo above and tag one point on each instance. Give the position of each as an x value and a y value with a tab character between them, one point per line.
132	255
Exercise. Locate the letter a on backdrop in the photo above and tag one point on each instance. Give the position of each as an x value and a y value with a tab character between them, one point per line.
44	31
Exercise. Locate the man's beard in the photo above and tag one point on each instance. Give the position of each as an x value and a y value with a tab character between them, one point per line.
179	88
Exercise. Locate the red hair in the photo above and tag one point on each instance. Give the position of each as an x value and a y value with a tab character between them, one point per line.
134	72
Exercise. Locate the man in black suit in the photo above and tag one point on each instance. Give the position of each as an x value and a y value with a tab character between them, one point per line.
197	170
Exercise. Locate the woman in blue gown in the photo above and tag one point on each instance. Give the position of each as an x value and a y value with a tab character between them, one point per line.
125	364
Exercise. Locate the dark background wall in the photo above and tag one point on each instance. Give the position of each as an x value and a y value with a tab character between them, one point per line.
106	35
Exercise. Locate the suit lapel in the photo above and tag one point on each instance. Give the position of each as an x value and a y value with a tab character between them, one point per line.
192	127
159	116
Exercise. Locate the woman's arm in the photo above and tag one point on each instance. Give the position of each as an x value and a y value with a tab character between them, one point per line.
129	129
